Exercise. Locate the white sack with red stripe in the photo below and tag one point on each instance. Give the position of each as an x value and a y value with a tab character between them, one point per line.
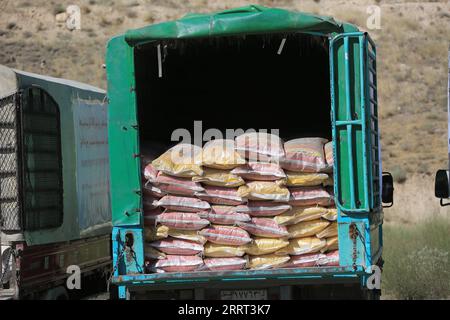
331	259
177	185
304	154
220	195
225	215
260	171
182	220
177	246
309	196
187	204
174	263
264	227
305	260
259	146
226	235
225	264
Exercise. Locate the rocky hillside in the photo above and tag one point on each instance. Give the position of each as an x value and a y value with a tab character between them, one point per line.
412	49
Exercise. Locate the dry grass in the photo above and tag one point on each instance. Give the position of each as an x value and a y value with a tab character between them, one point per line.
417	260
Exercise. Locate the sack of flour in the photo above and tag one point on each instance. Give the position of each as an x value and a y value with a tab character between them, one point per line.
215	250
300	246
267	261
177	246
310	196
264	190
226	235
307	228
221	154
304	179
304	260
328	150
220	195
151	253
225	264
330	231
264	227
177	186
157	232
299	214
260	246
182	220
225	215
175	263
187	204
259	146
332	244
263	208
191	235
304	154
219	178
182	160
330	259
260	171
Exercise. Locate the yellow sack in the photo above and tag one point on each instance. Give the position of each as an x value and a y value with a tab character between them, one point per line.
151	253
332	244
298	214
331	214
267	261
219	178
330	231
302	246
307	228
155	233
213	250
182	160
304	179
191	235
221	154
261	246
264	190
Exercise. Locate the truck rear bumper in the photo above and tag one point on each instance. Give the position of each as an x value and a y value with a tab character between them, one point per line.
297	276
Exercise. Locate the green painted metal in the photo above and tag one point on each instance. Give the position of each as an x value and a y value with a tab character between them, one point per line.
123	134
357	168
251	19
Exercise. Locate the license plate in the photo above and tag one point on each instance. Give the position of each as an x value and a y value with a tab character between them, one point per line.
243	295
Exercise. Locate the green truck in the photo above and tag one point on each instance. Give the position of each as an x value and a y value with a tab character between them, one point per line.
249	67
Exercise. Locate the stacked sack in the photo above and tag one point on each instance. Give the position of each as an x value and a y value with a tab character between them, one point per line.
312	222
293	221
250	203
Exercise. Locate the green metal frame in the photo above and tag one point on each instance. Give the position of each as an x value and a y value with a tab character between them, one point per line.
357	169
356	188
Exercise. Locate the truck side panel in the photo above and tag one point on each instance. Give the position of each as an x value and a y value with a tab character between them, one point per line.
123	134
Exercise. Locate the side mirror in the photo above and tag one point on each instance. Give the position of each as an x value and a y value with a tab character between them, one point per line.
387	189
441	186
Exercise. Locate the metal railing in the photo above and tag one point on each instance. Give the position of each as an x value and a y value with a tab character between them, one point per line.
10	216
